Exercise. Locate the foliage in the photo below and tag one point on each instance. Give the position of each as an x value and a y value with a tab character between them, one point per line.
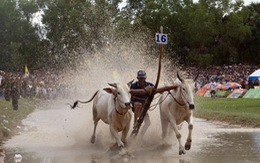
204	33
196	29
19	41
250	51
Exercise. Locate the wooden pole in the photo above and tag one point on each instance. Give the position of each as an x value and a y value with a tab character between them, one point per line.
151	96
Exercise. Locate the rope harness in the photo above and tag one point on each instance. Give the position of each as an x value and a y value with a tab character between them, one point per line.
159	102
175	99
115	98
153	107
178	102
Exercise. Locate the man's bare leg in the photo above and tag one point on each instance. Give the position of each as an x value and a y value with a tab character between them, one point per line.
137	106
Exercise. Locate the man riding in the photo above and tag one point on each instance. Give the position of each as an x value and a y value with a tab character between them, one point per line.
138	100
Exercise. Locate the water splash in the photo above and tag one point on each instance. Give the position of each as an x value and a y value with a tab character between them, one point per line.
118	62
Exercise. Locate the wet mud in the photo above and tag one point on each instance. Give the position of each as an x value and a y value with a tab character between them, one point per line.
57	134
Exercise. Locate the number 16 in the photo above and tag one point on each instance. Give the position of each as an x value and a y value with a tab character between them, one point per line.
161	38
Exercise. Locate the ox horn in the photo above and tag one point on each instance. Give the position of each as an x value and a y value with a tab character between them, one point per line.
178	76
112	84
196	77
129	83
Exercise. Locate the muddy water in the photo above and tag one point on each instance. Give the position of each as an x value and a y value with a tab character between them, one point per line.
57	134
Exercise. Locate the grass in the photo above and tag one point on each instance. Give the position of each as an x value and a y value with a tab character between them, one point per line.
9	119
240	111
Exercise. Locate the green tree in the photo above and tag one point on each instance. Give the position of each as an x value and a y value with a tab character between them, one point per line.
75	25
208	29
18	37
249	49
228	30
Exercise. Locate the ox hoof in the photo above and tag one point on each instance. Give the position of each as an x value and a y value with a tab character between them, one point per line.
125	143
92	140
114	147
181	152
122	151
187	146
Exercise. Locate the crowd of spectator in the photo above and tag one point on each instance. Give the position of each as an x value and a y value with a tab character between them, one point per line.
226	73
50	84
39	84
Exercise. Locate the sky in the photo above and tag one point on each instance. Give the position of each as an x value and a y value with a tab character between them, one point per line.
247	2
37	17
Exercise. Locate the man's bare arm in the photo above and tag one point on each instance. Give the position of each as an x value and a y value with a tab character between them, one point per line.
148	89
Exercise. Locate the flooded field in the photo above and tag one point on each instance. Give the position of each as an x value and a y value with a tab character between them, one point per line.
57	134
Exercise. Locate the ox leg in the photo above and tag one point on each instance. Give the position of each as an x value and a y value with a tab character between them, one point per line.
118	140
177	133
178	136
164	124
93	137
189	139
124	134
116	136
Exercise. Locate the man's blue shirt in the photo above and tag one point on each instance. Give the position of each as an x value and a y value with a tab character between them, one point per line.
139	98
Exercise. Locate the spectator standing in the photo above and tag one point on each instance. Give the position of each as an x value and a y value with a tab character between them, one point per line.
7	88
14	95
213	86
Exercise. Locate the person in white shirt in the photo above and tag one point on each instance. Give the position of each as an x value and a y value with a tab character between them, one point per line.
213	86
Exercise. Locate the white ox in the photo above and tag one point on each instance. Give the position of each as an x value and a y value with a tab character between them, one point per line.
112	105
175	107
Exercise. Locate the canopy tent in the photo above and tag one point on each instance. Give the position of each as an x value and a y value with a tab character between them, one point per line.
237	93
252	93
232	85
255	75
219	86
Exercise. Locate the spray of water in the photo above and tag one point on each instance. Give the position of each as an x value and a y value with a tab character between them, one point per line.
118	62
55	126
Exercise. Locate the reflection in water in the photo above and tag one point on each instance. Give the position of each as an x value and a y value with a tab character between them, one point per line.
212	143
31	158
255	137
59	138
231	147
18	158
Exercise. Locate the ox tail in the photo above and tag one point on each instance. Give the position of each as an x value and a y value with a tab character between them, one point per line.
84	102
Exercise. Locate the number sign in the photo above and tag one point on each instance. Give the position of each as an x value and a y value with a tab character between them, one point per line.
161	38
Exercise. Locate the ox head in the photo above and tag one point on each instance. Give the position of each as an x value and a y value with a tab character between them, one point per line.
187	90
121	94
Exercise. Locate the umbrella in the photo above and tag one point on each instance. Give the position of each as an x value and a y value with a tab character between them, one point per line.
206	86
203	89
232	85
221	86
